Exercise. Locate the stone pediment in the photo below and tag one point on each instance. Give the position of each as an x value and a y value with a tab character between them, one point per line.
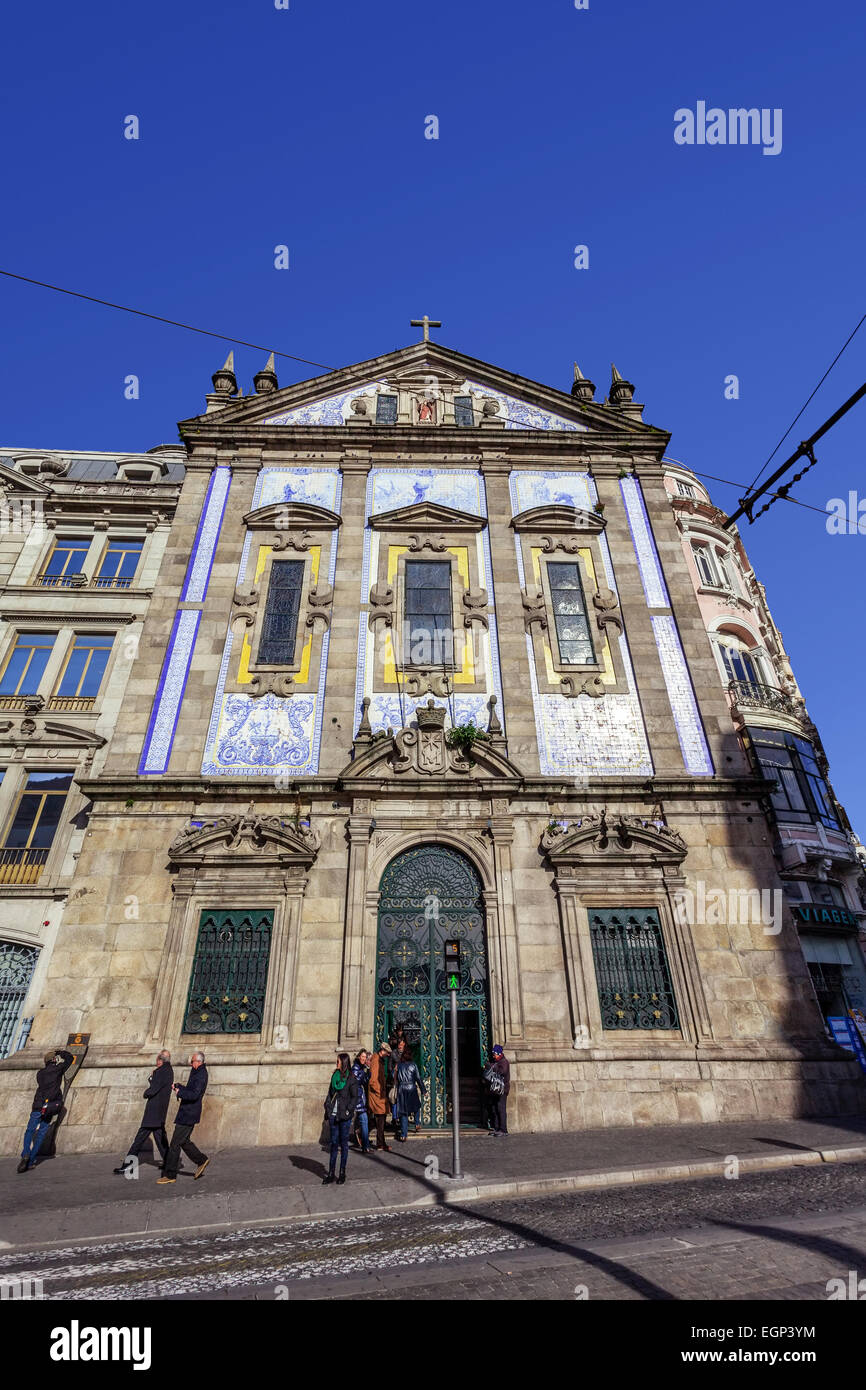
426	516
13	481
326	400
266	839
34	729
557	519
288	515
427	753
631	841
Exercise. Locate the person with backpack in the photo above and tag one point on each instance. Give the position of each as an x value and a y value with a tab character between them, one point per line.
47	1102
497	1084
341	1103
408	1085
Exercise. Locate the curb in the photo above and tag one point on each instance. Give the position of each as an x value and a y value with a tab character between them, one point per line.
443	1196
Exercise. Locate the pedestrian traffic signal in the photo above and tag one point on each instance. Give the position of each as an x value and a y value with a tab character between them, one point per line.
452	964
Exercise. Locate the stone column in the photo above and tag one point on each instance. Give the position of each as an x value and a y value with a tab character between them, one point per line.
353	944
280	1008
518	714
338	723
508	982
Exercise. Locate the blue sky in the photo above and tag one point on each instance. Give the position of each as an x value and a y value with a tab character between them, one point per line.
305	127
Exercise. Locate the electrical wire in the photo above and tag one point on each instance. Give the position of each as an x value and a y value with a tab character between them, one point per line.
800	412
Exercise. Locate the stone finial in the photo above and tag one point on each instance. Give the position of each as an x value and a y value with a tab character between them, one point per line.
265	381
225	383
493	724
621	391
582	388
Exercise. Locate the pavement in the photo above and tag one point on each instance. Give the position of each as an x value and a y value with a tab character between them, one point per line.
77	1197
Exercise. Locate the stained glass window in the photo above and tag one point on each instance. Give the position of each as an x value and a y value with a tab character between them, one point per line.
280	625
569	613
428	634
386	410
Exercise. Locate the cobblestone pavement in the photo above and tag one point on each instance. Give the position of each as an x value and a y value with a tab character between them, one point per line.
767	1236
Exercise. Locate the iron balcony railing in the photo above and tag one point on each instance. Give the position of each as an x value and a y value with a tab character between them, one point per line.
15	701
110	583
22	865
752	695
76	580
72	704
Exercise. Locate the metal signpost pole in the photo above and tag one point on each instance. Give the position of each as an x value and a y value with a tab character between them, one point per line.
455	1090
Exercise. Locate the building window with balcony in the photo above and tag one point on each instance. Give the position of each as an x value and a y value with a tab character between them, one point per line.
119	564
739	665
32	826
802	795
428	636
25	667
82	674
65	567
706	563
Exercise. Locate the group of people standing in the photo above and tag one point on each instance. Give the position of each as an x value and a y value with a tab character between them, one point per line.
376	1082
389	1079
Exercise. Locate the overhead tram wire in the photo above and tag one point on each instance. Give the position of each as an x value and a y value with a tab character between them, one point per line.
800	412
191	328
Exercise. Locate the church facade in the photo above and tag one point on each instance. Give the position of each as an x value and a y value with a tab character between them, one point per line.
424	660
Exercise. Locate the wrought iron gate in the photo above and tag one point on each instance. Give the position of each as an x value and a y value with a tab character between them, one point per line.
429	895
17	964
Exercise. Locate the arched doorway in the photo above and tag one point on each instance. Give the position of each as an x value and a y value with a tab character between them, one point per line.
429	895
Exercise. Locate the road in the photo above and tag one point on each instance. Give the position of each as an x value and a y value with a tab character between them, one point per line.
767	1236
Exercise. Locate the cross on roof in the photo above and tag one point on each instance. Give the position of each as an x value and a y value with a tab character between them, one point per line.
426	324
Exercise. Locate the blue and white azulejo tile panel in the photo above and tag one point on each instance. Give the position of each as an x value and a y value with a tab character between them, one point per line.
169	692
644	544
696	754
206	537
332	410
559	488
272	735
390	488
519	414
318	486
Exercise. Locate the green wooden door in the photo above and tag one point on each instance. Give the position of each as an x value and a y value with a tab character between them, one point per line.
429	895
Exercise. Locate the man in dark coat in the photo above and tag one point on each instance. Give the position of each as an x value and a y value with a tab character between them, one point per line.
47	1102
157	1095
187	1117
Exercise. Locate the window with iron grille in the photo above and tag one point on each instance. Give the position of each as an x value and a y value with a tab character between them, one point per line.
428	625
631	969
17	964
386	410
569	614
464	413
229	972
280	625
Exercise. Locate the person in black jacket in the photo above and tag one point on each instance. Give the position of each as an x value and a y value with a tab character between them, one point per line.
340	1105
409	1085
187	1117
157	1095
47	1102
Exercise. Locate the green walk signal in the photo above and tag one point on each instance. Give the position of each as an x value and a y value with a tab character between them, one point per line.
452	964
